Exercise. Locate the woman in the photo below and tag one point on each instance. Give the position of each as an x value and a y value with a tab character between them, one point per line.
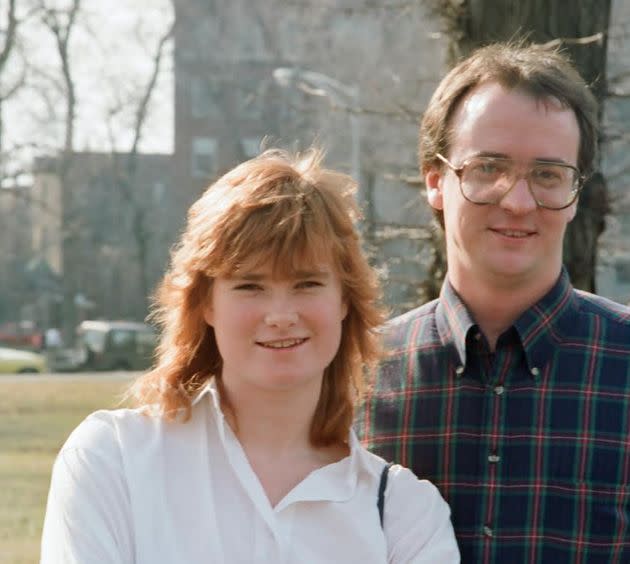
241	448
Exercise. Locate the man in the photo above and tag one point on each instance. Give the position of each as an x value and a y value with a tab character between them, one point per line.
512	390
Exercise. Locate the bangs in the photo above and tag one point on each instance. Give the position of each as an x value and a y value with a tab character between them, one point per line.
292	265
290	234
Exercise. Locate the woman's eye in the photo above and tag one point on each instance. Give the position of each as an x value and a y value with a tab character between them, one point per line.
249	287
309	284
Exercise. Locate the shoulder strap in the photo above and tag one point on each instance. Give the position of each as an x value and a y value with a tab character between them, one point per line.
381	490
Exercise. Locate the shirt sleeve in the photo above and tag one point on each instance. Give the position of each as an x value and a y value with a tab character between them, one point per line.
88	515
417	521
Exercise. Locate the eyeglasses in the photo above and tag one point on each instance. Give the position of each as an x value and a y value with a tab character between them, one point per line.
486	180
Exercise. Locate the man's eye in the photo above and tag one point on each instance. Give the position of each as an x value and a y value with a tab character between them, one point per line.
548	173
486	168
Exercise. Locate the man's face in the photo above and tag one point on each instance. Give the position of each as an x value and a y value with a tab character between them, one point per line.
513	242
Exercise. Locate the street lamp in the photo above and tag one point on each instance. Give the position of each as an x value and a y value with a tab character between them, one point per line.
342	95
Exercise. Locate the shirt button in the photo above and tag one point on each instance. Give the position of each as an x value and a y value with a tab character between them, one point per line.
494	458
499	390
535	371
487	531
459	370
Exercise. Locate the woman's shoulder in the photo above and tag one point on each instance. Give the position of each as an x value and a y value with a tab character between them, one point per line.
102	430
402	483
420	530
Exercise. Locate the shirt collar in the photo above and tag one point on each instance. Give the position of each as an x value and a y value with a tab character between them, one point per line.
335	482
453	321
542	326
539	327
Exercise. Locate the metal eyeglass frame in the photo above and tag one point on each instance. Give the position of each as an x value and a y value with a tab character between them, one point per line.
458	170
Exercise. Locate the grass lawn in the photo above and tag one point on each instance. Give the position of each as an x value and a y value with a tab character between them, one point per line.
36	416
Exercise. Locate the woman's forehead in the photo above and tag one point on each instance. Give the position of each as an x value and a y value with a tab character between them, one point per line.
292	265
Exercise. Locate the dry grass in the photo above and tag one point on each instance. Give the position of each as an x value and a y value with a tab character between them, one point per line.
36	416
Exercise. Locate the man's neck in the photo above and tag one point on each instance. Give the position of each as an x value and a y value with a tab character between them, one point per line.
496	303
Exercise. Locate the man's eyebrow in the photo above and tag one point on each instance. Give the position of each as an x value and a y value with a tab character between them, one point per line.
489	154
494	155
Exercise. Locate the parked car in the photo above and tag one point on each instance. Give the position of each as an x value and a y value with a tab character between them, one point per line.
16	361
115	345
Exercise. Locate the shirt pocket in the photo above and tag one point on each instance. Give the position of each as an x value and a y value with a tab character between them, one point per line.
586	499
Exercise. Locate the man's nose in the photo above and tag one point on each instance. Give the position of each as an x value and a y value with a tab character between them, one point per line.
519	199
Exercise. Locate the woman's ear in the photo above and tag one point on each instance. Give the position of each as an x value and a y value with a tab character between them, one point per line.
344	309
208	314
433	182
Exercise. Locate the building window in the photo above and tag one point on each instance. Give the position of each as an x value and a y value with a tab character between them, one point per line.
203	157
622	270
248	102
251	146
204	96
158	191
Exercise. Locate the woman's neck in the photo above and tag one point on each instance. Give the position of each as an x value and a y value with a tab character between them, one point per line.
274	431
278	420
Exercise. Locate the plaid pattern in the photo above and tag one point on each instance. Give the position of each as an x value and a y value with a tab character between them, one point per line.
530	445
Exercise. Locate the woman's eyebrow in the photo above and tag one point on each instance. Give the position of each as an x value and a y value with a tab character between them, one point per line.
249	276
312	274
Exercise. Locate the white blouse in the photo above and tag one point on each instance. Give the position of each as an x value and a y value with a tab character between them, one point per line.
131	488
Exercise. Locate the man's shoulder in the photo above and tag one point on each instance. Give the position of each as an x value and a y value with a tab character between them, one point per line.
608	311
412	328
595	321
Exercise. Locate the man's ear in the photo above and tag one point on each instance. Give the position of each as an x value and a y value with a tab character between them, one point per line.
572	211
433	182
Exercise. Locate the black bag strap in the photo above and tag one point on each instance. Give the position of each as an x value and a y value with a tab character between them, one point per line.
381	490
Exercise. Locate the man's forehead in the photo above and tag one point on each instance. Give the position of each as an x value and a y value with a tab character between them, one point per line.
514	123
483	97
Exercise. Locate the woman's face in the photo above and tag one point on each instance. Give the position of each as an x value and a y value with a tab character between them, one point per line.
276	334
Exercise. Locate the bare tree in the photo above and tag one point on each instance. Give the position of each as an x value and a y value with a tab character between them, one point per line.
126	173
60	23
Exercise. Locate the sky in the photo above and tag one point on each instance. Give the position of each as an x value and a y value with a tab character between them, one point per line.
111	62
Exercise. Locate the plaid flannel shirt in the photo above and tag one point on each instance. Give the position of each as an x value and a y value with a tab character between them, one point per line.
530	445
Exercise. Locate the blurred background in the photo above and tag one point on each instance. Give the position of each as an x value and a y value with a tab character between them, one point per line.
115	115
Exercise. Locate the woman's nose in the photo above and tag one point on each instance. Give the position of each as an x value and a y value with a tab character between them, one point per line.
281	319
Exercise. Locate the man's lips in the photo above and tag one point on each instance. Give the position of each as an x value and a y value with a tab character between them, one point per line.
513	233
282	343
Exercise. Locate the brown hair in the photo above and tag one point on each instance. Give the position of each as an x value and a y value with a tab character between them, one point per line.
281	210
537	70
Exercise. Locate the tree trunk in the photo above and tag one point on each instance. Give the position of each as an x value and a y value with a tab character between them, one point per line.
580	26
